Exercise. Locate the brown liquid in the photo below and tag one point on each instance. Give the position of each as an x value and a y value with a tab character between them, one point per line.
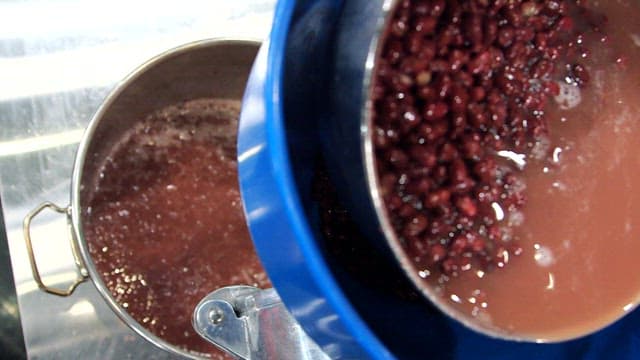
165	225
581	230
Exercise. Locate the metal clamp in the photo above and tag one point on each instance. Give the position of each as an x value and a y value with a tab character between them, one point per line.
253	324
26	228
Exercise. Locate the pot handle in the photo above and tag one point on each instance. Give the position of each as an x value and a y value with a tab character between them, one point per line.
253	324
26	228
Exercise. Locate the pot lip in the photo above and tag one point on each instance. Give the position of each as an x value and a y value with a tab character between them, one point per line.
76	176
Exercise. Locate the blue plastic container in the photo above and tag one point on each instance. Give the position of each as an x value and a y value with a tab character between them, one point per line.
278	146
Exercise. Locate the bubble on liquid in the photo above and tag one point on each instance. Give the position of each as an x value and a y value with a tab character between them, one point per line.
570	96
559	185
541	148
481	314
543	256
518	186
184	135
516	218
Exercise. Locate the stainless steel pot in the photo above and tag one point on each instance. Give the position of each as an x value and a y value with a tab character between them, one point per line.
216	68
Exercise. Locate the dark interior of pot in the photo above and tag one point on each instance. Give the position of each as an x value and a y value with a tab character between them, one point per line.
162	220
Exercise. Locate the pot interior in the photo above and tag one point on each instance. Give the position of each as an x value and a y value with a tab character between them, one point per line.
215	70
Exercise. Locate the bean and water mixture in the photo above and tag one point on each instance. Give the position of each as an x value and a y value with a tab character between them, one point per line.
498	134
165	224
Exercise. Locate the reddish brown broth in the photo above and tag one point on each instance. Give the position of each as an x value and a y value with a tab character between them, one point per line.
165	224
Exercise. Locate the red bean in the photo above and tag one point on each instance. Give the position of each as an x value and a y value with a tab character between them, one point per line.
433	131
398	28
506	36
380	140
427	93
443	86
394	51
416	225
464	78
471	146
424	155
459	100
486	170
480	63
458	245
474	28
449	267
448	152
419	187
459	124
398	158
542	69
458	170
425	25
490	31
463	185
393	202
437	198
435	111
477	115
427	49
418	248
406	211
457	58
478	245
440	175
438	7
413	65
437	253
478	93
467	206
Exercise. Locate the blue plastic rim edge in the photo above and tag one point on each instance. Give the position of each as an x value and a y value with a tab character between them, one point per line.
275	216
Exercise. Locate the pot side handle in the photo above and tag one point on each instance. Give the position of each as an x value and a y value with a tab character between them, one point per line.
26	228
